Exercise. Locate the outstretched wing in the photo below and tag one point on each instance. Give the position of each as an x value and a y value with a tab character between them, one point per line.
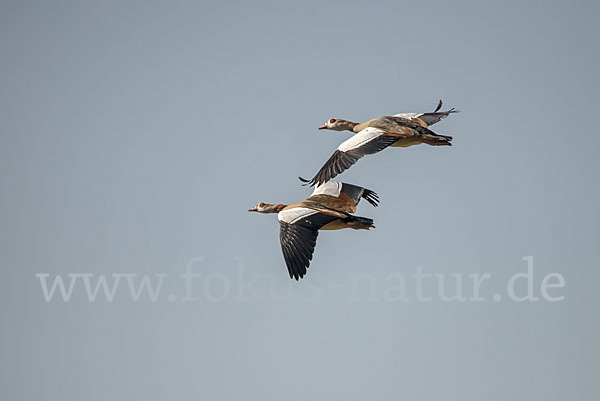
368	141
429	118
298	231
338	197
297	244
355	193
432	118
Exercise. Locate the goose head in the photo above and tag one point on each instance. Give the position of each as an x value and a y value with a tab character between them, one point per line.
263	207
337	124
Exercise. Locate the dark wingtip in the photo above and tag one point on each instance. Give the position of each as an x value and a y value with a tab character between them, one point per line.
371	197
439	106
305	181
310	182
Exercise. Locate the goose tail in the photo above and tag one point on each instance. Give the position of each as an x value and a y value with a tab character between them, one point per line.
437	140
431	138
359	223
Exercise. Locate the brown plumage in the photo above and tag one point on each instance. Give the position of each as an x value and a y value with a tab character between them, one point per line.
401	130
328	208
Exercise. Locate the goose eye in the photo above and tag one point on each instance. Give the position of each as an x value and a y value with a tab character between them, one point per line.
332	121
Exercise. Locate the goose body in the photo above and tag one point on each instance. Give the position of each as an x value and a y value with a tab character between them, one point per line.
328	208
400	130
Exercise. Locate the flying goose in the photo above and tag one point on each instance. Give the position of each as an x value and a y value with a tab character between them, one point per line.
425	119
328	208
377	134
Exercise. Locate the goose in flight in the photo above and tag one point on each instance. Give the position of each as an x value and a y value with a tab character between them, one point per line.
328	208
424	119
377	134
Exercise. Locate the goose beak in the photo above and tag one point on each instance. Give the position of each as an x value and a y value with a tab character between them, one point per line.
324	126
253	210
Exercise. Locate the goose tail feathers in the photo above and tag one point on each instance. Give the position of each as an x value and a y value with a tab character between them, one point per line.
359	223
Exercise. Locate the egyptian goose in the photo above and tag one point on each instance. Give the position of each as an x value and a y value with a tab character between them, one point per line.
328	208
425	119
401	130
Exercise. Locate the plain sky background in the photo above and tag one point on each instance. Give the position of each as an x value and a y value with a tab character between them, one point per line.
135	136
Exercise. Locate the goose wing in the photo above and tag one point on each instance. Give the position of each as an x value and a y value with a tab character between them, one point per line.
429	118
298	231
354	192
368	141
432	118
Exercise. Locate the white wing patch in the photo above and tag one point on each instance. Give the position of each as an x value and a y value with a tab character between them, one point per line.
360	139
332	188
291	216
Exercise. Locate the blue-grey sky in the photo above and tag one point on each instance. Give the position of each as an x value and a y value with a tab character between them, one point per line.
135	136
